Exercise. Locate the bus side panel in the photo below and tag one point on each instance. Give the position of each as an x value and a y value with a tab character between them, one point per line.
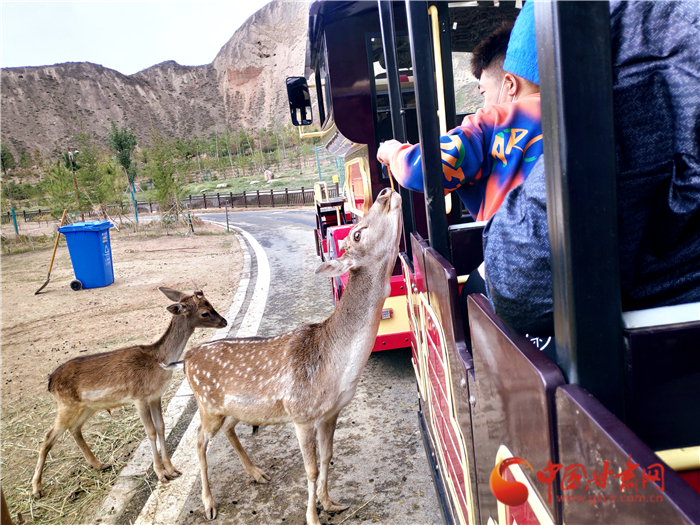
629	494
457	439
514	407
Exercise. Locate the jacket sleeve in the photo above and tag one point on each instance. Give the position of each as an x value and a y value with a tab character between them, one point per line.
516	256
462	151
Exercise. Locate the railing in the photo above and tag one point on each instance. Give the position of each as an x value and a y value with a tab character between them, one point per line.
248	199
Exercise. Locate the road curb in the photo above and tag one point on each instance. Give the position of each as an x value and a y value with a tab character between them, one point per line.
136	471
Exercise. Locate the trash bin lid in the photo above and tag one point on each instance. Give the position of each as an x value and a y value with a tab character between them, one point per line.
90	226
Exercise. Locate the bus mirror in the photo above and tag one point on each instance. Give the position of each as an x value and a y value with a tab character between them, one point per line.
299	101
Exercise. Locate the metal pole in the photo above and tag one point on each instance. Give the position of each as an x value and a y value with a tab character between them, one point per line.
136	209
428	128
318	164
227	228
398	117
574	55
14	221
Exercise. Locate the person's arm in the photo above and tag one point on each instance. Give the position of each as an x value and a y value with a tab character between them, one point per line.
462	150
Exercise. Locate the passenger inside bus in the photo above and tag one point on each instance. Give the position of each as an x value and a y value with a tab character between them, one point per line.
494	149
656	81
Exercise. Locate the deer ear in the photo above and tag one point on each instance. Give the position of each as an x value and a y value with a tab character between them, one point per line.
176	309
171	294
334	267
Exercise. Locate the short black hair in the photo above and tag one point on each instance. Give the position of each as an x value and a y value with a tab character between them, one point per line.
491	49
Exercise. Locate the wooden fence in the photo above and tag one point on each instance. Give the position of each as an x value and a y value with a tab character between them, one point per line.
248	199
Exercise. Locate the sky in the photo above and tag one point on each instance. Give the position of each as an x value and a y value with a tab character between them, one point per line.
125	36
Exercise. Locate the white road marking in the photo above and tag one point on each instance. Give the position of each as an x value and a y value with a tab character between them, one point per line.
132	474
165	504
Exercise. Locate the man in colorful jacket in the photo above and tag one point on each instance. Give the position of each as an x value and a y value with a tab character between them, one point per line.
656	85
495	148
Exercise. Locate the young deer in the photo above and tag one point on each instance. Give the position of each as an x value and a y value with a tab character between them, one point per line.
135	374
306	376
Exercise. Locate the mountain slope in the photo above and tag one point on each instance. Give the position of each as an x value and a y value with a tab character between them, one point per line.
44	107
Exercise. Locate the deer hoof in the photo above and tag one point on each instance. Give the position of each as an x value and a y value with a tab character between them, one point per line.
173	474
210	512
38	492
104	466
258	475
162	477
334	506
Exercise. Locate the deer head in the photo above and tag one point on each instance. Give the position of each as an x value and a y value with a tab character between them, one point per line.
195	308
373	242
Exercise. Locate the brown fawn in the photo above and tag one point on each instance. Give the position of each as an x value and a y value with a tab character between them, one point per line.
306	376
135	374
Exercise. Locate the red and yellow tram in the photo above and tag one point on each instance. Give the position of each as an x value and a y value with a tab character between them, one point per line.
603	425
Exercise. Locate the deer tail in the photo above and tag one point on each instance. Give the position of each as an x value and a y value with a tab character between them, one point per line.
177	365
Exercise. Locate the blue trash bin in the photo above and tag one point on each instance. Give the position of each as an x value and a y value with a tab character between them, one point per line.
90	252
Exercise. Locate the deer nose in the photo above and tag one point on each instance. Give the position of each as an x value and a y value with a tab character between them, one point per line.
223	323
385	191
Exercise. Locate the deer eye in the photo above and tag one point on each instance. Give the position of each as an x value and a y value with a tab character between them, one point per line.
205	314
356	236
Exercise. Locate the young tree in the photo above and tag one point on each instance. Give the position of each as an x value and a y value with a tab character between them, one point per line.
25	160
161	170
123	142
6	158
61	190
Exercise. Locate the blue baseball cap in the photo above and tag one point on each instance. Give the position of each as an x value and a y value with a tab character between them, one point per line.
521	56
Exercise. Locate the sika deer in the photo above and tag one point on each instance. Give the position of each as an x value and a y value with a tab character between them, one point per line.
306	376
84	385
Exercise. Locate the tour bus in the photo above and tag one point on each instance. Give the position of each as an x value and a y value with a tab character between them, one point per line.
600	424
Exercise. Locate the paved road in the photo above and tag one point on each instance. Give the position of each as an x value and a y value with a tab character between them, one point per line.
379	465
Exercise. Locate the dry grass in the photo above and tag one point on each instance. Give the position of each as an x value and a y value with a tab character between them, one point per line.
73	491
40	332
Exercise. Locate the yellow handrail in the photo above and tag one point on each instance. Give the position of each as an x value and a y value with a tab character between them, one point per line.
433	12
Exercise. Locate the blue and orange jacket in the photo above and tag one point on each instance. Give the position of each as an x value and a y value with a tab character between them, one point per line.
491	153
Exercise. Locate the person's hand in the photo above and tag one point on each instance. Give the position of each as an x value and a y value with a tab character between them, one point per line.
386	150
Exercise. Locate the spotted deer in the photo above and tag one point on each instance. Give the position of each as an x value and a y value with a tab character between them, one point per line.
135	374
306	376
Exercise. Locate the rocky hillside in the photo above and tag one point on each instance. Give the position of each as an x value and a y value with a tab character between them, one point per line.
44	107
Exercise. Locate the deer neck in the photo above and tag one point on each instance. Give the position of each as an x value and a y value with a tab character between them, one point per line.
357	315
170	346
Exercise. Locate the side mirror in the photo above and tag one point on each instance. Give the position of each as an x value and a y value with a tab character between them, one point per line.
299	101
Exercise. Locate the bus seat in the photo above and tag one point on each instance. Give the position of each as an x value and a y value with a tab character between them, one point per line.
583	421
663	375
513	406
466	246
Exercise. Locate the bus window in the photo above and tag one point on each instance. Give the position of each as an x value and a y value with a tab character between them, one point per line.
323	86
469	25
380	88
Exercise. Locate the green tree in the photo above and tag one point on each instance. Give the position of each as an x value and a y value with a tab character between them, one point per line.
25	160
123	143
61	190
161	170
6	158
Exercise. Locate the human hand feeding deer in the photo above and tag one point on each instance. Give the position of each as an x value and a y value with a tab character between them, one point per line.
306	376
135	374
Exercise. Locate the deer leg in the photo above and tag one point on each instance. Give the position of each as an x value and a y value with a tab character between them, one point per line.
63	419
145	415
253	471
306	434
326	430
157	416
76	429
207	430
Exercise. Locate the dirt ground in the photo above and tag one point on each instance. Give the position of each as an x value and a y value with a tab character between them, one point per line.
39	332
